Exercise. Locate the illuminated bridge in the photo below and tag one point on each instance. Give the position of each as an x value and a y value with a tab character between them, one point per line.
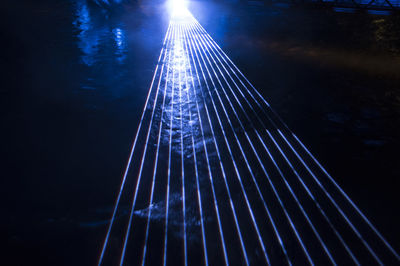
215	177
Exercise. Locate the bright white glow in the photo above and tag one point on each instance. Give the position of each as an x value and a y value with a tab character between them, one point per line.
178	8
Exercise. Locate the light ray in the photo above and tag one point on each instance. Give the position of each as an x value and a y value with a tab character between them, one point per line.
366	220
210	175
276	194
156	160
179	51
133	148
256	131
265	172
310	194
323	213
169	169
264	203
140	172
261	142
243	249
230	151
350	201
194	155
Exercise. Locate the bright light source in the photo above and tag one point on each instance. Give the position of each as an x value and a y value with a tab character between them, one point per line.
178	8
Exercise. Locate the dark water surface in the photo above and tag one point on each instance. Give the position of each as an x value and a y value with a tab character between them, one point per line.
75	78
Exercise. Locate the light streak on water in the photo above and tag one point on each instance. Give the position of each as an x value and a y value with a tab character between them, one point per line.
208	42
264	145
223	56
146	106
229	148
141	169
185	77
156	161
203	116
273	187
168	174
210	175
252	146
178	60
308	169
218	153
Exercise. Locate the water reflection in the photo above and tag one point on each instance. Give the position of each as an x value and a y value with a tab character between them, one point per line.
98	37
88	39
107	2
120	41
101	38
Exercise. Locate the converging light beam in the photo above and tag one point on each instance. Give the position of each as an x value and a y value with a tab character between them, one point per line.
217	178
